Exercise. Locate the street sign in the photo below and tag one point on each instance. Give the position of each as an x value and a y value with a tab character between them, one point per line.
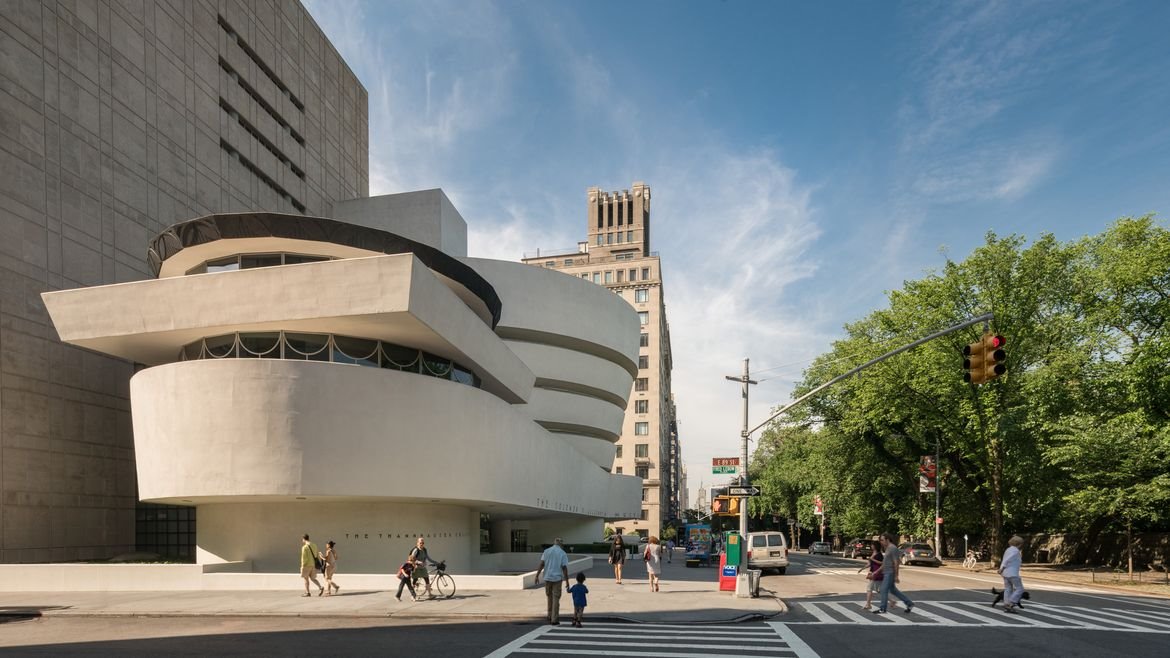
938	520
724	465
743	491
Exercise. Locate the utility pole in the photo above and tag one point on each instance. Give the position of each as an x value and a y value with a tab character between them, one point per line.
938	549
745	380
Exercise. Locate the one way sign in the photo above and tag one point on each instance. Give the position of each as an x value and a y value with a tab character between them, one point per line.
743	491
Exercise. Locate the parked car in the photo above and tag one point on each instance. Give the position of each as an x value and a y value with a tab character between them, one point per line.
767	550
820	548
860	548
913	553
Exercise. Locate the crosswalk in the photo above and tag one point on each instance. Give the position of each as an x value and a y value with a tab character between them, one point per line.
973	614
756	640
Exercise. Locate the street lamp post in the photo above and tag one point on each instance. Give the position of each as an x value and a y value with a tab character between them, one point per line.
745	380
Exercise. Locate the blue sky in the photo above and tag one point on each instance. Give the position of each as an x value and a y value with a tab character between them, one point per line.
805	158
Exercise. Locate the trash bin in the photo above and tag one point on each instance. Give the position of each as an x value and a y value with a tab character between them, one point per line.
754	582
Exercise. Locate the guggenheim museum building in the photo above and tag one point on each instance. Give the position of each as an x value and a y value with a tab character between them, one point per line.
362	379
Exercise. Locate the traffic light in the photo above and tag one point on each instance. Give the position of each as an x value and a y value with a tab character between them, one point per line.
984	359
725	506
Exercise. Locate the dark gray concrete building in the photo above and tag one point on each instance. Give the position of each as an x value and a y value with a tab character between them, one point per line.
118	119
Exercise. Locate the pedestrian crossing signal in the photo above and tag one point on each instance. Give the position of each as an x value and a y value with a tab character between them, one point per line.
725	506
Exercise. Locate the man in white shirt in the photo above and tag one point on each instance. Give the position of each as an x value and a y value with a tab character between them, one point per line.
555	565
1009	568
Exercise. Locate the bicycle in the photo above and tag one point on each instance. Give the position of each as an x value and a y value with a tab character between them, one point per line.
440	581
970	562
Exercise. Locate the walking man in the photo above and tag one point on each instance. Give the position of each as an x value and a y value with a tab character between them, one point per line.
555	565
1009	568
309	565
891	562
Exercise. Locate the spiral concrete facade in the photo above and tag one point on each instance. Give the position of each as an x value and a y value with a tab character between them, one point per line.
494	438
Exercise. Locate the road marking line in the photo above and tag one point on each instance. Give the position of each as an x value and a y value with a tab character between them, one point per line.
1007	615
515	645
568	637
602	627
815	610
1089	613
673	645
1157	616
942	621
849	614
1054	613
618	652
799	647
983	619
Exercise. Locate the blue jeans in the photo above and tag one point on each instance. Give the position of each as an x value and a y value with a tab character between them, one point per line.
888	587
1013	590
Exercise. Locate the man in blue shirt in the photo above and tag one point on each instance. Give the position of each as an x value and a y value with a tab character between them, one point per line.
555	565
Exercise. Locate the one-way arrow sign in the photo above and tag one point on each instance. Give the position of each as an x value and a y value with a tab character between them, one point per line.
743	491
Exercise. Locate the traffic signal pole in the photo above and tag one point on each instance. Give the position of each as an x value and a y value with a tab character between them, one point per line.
746	380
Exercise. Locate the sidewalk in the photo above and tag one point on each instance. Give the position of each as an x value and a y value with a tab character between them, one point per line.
687	595
1147	582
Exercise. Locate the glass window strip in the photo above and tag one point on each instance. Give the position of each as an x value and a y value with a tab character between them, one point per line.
235	346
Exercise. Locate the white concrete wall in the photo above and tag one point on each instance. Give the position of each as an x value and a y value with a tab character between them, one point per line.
572	412
425	216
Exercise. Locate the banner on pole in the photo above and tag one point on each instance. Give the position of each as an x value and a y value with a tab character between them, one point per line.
927	474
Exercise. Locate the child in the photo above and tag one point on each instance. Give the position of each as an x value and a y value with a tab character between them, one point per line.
404	580
579	591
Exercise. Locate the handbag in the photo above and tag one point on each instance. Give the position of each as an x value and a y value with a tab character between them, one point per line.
320	564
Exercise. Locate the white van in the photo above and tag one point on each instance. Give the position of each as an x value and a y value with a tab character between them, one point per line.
767	550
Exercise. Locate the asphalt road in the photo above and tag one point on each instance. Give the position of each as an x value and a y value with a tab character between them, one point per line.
952	617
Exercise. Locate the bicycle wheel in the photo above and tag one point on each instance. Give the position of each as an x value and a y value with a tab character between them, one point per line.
444	585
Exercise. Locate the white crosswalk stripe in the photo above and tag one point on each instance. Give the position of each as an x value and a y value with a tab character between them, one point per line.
972	614
613	639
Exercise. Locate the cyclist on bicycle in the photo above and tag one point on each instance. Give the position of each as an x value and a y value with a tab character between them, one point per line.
418	556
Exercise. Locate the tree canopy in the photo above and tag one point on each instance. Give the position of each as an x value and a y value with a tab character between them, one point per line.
1075	437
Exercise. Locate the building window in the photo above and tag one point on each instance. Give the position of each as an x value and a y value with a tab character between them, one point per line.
619	237
645	494
642	472
640	407
643	361
642	449
568	261
640	384
550	263
618	454
645	513
609	238
621	274
597	277
645	273
644	317
585	276
629	236
633	275
644	340
609	276
600	239
642	295
641	429
619	470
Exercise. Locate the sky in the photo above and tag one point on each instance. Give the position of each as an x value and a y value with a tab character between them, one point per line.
804	158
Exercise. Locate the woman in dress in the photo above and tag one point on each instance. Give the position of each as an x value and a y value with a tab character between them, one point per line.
653	557
330	558
617	557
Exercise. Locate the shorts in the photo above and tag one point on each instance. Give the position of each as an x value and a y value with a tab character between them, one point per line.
874	586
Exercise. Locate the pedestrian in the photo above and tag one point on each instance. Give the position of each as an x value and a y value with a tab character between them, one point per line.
1009	568
579	591
555	565
891	562
309	565
617	557
420	558
406	579
669	550
873	577
653	557
330	558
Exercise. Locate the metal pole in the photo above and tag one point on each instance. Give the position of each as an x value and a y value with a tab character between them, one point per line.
938	548
743	456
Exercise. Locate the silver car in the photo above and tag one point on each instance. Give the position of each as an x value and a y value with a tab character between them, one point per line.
820	548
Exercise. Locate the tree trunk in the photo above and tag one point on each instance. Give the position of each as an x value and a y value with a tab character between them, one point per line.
996	448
